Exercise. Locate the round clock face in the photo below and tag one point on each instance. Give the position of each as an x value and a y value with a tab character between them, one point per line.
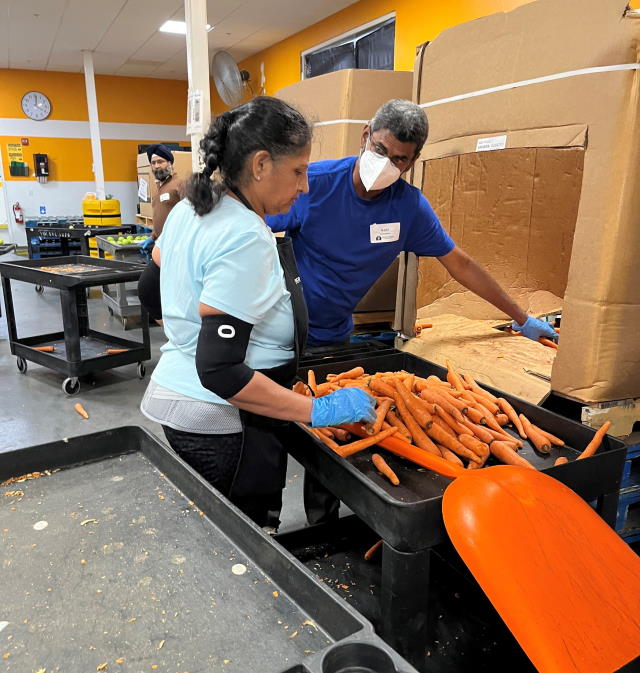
36	105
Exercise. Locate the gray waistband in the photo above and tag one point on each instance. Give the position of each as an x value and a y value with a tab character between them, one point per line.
179	412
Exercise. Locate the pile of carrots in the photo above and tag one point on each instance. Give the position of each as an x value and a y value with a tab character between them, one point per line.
454	419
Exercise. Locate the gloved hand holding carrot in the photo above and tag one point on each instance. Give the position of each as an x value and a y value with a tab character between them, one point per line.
533	329
349	405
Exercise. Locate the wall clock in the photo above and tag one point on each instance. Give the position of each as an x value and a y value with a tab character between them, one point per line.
36	105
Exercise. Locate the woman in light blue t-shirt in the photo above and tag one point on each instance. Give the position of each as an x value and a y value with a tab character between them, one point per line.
233	311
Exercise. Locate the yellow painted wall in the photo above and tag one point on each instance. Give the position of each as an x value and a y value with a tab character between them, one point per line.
132	100
417	21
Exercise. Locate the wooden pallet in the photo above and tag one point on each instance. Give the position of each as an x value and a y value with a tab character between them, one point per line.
622	414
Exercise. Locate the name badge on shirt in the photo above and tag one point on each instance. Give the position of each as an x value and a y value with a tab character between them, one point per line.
165	197
384	233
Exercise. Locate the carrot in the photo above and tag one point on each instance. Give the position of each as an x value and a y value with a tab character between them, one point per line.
477	389
381	411
324	439
408	382
436	397
437	433
437	420
403	431
419	412
485	402
384	469
418	435
324	389
490	419
424	325
502	419
451	456
311	381
341	434
81	410
561	461
539	441
354	373
113	351
474	444
382	388
300	388
503	451
368	555
548	343
513	416
505	437
594	444
347	450
479	431
476	416
449	420
460	403
44	349
453	377
552	438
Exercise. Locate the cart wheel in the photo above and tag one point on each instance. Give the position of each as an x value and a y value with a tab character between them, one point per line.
39	289
142	370
71	386
110	310
22	365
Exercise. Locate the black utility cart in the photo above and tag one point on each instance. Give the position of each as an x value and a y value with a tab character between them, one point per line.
78	350
117	551
408	517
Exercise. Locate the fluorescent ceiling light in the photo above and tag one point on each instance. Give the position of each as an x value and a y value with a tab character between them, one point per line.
179	27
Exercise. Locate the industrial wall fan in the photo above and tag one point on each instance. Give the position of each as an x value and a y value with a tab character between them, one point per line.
230	81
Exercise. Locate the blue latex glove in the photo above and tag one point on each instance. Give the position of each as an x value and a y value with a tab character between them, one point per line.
146	244
534	329
348	405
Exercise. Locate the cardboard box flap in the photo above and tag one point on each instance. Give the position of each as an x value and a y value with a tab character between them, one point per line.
537	39
570	135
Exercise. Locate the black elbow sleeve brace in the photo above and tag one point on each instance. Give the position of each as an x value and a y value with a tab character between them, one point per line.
149	290
220	353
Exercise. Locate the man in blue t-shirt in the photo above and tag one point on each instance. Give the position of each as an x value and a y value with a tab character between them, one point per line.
357	217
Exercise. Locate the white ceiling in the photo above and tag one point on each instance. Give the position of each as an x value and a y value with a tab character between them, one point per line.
123	34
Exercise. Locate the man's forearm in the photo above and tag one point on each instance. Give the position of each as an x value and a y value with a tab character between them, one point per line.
469	273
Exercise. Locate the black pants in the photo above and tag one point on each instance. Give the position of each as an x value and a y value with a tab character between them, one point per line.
217	459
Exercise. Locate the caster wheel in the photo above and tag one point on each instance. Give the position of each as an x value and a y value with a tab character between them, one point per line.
39	289
71	386
22	365
110	310
125	322
142	370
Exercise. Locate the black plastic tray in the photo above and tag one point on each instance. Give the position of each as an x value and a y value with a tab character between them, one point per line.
110	271
344	352
409	517
125	555
464	632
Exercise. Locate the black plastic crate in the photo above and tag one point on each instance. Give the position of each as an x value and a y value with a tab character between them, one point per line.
122	552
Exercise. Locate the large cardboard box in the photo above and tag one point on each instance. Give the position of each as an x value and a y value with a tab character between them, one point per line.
340	103
147	188
533	165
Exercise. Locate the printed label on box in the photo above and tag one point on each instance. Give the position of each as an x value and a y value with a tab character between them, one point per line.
488	144
142	189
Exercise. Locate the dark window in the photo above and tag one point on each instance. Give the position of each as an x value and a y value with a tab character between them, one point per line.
372	49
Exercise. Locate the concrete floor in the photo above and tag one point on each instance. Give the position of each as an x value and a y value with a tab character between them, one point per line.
34	410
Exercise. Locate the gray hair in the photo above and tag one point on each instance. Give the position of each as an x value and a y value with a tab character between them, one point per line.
406	120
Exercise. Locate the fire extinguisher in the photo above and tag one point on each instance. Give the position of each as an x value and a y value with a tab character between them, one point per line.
18	213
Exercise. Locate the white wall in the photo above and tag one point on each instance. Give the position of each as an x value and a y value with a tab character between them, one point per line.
63	198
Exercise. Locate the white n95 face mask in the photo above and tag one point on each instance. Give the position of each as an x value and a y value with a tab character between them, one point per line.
376	171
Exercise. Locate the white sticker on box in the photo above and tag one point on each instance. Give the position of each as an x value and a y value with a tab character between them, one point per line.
384	233
143	189
165	197
488	144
